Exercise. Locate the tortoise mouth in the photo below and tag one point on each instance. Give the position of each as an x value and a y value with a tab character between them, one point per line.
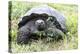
41	28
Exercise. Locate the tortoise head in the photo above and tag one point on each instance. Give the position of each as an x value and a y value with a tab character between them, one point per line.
40	24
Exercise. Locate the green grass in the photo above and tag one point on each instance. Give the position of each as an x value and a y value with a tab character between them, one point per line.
69	42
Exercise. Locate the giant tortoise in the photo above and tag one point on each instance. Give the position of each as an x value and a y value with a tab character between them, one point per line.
41	21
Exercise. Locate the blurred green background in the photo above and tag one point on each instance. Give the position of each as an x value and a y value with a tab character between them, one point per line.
19	8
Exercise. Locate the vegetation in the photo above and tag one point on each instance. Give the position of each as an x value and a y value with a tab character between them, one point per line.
69	42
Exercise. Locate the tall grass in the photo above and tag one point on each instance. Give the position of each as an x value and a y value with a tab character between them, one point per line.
69	42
